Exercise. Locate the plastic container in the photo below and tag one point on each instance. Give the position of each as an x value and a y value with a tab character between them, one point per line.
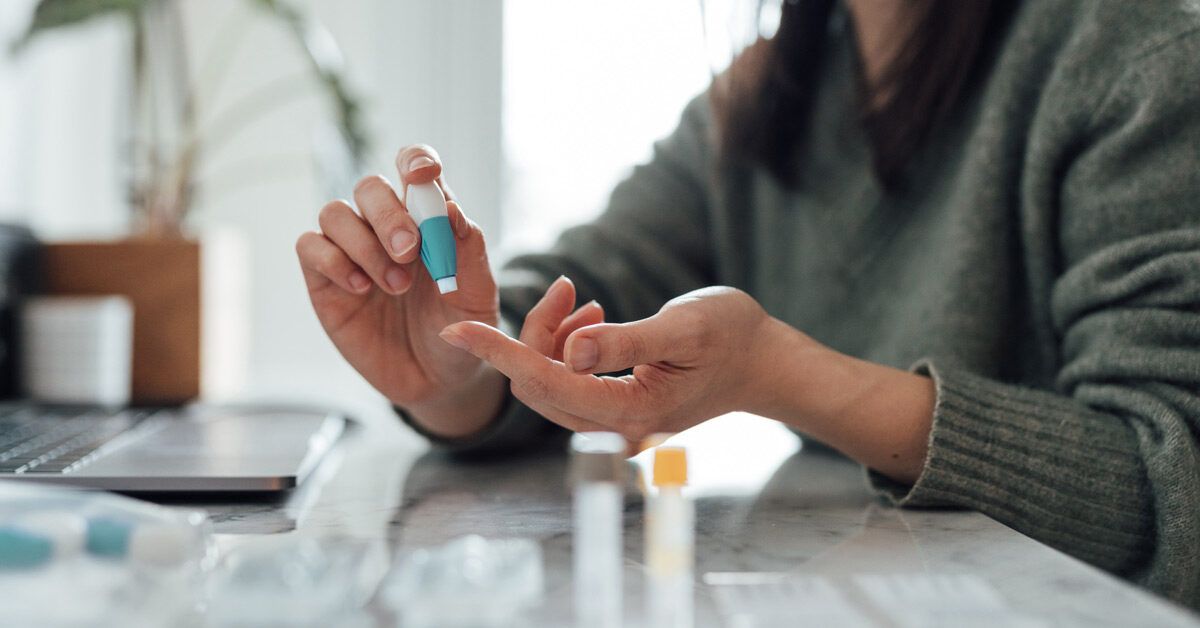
118	561
295	580
598	474
670	543
470	581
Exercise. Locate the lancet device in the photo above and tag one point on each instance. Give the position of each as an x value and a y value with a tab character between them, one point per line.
427	205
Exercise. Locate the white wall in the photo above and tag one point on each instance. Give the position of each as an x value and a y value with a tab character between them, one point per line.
589	86
58	115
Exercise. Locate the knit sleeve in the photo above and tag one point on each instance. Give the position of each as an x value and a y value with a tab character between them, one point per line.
1107	466
652	243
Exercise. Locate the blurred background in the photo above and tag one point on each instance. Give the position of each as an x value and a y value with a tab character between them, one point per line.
225	125
537	106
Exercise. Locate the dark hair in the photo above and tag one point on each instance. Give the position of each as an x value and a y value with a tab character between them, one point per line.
762	103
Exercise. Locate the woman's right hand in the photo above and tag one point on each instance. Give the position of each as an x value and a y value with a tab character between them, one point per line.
382	310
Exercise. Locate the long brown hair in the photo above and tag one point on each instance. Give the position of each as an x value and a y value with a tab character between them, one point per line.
763	101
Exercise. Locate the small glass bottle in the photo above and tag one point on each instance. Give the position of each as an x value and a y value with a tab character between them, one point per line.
670	543
597	473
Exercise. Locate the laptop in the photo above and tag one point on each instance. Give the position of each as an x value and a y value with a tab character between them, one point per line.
195	449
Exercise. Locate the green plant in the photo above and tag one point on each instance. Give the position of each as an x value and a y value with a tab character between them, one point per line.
165	168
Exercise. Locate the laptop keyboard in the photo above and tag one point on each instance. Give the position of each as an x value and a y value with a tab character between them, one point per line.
41	440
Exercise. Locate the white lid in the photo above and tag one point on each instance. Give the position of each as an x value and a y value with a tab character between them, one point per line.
447	284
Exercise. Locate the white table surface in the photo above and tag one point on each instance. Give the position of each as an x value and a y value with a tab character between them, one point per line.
799	521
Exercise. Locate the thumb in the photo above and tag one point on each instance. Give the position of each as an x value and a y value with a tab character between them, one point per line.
606	348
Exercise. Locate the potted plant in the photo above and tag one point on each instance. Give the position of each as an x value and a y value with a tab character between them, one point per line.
158	266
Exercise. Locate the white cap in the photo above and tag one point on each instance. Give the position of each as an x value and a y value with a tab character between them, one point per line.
447	284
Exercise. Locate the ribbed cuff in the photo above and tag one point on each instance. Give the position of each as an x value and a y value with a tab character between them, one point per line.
1034	460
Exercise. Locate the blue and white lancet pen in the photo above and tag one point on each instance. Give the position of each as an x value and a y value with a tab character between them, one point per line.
427	205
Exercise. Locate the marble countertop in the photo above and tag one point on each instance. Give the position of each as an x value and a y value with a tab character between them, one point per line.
797	524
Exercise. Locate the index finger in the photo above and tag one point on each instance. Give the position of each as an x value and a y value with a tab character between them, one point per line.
541	378
388	218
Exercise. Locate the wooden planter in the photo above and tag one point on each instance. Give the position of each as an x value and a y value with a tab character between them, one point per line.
162	278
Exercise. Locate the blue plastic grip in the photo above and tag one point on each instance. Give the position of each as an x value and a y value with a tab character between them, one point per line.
437	247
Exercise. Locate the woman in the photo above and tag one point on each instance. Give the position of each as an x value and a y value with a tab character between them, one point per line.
962	245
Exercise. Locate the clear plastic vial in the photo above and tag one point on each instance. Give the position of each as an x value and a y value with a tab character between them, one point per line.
670	543
597	472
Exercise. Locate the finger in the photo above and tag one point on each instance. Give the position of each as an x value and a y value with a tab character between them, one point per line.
350	233
475	281
589	313
324	263
607	348
570	421
544	318
445	187
394	228
539	378
417	164
459	223
632	428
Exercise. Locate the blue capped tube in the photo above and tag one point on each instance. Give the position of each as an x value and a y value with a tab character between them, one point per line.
34	540
427	205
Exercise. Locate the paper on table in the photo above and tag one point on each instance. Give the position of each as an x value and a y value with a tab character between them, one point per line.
755	599
920	600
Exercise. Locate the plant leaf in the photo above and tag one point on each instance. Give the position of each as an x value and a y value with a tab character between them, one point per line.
323	54
51	14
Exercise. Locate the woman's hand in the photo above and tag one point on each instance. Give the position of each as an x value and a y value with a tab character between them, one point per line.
382	310
704	354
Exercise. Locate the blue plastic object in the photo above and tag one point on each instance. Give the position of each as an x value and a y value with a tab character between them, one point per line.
21	549
108	537
437	247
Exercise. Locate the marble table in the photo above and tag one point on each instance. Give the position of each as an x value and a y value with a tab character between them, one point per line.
786	535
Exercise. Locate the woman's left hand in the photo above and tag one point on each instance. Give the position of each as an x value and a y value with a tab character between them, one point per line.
704	354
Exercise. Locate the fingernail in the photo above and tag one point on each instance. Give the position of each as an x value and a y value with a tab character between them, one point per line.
457	223
420	161
455	340
557	285
359	281
585	353
394	278
402	241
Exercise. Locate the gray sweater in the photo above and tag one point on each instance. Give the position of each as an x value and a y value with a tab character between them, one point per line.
1044	270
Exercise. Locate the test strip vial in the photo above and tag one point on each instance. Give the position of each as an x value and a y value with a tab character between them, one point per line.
670	543
597	476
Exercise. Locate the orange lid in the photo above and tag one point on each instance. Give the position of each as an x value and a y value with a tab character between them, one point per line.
670	466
